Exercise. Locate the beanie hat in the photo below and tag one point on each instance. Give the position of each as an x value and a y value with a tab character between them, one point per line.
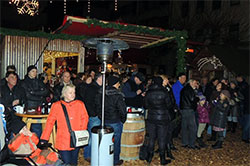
140	76
30	68
158	80
226	93
16	125
202	97
112	80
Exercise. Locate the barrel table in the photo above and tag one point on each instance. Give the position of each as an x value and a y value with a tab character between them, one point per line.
132	136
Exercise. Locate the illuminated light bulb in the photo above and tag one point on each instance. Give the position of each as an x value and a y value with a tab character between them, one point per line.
88	6
116	5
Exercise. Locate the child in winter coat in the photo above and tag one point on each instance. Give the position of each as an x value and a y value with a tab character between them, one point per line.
25	142
203	109
219	117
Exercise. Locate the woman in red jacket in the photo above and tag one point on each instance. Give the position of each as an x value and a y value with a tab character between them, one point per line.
78	119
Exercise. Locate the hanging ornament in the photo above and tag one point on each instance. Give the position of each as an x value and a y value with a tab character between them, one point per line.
29	7
116	5
65	7
88	6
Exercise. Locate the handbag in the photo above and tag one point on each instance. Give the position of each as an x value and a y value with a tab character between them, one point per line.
77	138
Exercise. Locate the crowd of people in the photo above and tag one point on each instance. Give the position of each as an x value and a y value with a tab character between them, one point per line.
186	108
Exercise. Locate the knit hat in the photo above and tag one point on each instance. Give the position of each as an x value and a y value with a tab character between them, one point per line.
202	97
30	68
112	80
226	93
157	80
16	125
140	76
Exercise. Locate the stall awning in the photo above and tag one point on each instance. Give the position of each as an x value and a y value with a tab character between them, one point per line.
126	32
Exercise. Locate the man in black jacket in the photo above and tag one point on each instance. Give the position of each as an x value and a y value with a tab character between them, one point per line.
10	68
188	104
89	100
133	90
11	93
36	92
115	113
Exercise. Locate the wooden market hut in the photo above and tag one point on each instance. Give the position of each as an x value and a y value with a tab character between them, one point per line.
23	48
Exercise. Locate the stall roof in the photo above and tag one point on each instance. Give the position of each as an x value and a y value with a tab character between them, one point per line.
80	26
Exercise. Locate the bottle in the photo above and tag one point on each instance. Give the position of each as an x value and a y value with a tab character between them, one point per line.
39	110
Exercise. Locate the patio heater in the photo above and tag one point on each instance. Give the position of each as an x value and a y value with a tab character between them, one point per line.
102	145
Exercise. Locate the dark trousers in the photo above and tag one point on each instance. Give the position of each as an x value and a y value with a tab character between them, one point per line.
37	128
156	131
246	127
220	135
69	156
170	130
188	127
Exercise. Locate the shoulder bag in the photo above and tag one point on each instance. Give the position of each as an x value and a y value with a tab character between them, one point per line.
77	138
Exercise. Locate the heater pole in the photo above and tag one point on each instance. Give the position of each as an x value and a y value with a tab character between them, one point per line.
104	63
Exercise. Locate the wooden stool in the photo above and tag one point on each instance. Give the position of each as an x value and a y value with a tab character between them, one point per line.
33	119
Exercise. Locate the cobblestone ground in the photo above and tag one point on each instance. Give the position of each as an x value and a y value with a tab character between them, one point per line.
234	153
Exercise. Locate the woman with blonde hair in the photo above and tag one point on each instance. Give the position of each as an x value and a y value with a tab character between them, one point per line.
78	117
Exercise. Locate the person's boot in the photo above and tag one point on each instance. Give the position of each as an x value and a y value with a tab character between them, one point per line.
201	143
150	157
229	126
213	137
234	125
217	145
169	154
163	159
172	145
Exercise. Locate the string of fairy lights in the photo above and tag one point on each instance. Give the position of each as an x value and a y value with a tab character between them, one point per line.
31	7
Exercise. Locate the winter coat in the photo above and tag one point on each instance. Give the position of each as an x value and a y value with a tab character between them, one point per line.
35	91
209	90
174	106
129	90
87	94
158	103
235	102
188	98
177	87
214	96
24	144
57	92
115	107
219	115
78	119
8	95
203	112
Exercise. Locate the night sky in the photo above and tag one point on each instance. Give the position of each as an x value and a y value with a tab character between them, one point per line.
51	15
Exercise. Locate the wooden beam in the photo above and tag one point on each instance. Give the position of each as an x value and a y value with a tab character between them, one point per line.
156	42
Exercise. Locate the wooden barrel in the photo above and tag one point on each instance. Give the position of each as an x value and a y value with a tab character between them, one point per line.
132	136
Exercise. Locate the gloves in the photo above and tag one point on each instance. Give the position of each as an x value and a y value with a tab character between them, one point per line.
43	144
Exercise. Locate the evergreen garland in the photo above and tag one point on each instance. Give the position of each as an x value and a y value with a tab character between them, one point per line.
179	36
15	32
